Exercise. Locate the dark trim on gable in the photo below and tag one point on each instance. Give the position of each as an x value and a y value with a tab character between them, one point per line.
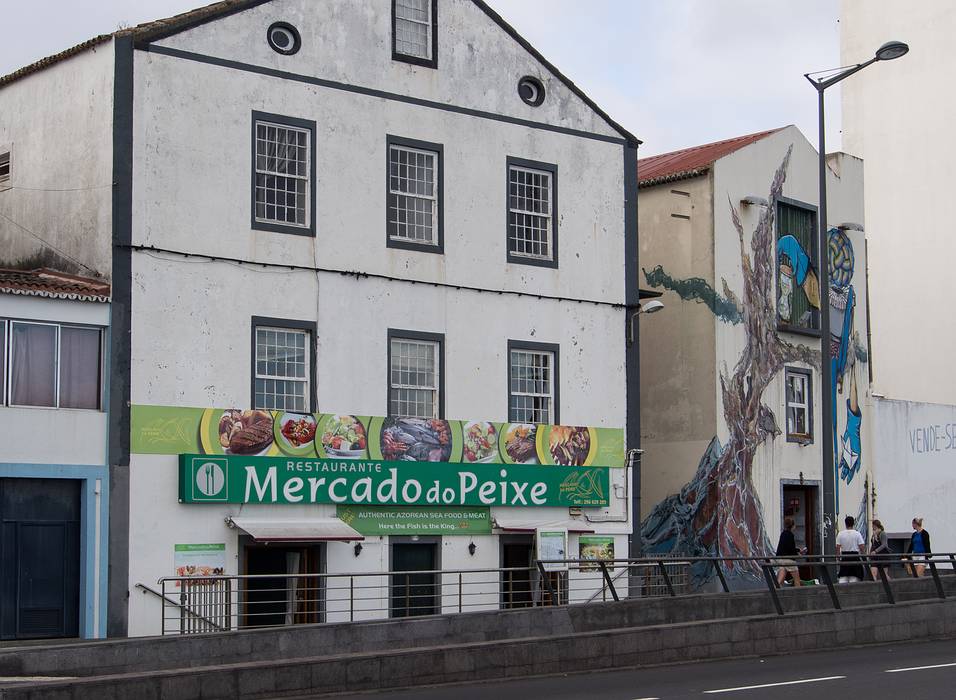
632	351
415	60
120	352
555	215
400	334
555	350
370	92
497	19
272	226
269	322
439	245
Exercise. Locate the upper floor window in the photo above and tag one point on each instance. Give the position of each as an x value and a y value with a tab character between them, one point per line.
4	170
532	382
798	288
415	375
414	31
51	365
283	375
414	195
283	162
799	405
532	207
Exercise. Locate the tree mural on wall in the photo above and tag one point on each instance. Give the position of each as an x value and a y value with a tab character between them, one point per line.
719	512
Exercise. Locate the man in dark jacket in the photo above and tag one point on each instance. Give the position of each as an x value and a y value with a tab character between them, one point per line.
787	547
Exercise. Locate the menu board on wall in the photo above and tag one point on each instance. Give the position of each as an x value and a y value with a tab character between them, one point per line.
173	430
552	544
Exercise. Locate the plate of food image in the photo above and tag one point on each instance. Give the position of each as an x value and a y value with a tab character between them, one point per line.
480	442
415	440
342	437
518	444
567	445
236	432
295	434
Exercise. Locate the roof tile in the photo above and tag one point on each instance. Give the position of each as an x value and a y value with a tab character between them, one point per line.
44	282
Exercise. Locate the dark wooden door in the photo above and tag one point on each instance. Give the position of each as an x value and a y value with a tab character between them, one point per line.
414	593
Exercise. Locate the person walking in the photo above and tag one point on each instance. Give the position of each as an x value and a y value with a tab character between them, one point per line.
787	547
878	545
919	545
849	544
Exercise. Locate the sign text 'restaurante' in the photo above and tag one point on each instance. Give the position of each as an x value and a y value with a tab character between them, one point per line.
236	479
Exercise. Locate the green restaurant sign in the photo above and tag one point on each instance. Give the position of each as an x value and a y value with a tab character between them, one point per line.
430	520
240	479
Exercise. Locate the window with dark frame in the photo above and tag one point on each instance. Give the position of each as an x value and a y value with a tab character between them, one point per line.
799	405
283	191
51	365
283	365
415	371
414	193
532	382
532	213
415	32
4	170
798	285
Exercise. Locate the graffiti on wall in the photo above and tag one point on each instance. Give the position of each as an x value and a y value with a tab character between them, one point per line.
719	512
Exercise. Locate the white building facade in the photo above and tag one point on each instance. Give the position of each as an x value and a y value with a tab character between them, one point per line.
371	223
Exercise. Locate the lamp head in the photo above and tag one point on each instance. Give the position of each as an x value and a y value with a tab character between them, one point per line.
891	50
652	306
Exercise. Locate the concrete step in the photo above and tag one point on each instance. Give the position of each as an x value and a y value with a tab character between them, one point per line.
123	656
520	657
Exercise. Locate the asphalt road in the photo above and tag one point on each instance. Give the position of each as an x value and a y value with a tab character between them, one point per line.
910	671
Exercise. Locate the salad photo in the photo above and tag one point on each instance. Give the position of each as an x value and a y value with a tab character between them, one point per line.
344	436
481	440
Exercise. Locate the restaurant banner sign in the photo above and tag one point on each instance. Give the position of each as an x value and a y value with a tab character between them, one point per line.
169	430
239	479
434	520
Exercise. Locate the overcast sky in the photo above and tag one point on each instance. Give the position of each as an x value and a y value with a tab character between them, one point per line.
676	73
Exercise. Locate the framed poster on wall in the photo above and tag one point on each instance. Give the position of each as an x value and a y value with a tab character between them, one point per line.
553	544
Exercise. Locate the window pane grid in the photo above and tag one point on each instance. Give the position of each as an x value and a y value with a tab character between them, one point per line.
531	390
282	174
529	213
282	366
414	378
413	25
412	194
798	404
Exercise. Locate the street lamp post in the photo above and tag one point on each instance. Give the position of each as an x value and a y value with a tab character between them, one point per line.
887	52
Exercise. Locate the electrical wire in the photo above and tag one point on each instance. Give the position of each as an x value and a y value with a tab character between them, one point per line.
48	244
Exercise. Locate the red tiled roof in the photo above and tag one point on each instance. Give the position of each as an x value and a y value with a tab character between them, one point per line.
44	282
690	162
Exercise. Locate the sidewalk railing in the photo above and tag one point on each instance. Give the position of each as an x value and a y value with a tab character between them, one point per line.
220	603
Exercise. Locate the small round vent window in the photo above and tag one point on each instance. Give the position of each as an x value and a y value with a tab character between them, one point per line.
531	91
284	38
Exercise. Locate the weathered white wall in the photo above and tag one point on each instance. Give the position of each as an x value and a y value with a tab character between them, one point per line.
57	125
191	325
898	116
478	64
914	453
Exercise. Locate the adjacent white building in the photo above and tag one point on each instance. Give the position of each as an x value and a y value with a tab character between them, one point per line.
350	212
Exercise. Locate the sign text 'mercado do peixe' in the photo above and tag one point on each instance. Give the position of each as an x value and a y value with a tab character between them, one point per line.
237	479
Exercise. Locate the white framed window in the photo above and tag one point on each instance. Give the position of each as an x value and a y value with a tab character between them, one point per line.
532	382
283	186
282	374
5	170
51	365
413	30
415	374
799	405
532	232
414	194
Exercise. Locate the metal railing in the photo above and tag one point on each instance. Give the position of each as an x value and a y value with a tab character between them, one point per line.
220	603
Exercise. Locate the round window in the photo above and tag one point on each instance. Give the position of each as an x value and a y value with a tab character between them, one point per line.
284	38
531	91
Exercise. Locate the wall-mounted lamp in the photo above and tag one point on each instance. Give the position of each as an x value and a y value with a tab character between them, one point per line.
471	548
649	307
754	201
358	548
850	226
